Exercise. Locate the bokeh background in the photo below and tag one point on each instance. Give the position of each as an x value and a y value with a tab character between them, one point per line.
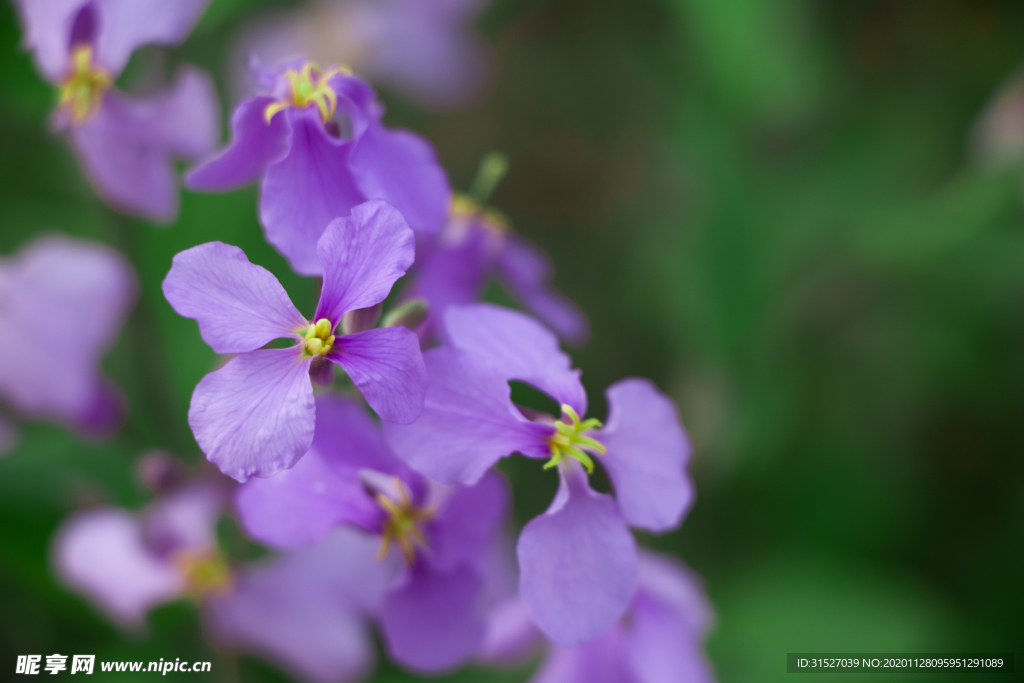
770	207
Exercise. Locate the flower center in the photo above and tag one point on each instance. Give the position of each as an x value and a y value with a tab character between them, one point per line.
309	86
403	524
570	439
205	572
81	92
318	338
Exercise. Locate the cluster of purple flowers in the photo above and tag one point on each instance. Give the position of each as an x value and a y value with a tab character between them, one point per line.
399	522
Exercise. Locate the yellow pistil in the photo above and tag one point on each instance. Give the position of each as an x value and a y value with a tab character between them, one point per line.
81	92
570	439
309	86
403	524
318	338
468	209
206	573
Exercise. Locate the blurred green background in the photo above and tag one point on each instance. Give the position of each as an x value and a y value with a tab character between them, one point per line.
767	206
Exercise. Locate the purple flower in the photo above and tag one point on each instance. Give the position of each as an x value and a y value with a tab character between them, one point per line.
255	415
316	139
659	641
84	290
126	145
578	560
307	611
431	616
478	244
425	49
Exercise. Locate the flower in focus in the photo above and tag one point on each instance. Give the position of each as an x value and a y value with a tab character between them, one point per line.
431	615
126	145
425	49
578	560
306	611
255	415
659	640
76	295
316	139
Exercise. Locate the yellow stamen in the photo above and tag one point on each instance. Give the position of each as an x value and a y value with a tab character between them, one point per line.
206	573
309	86
81	92
318	339
403	524
570	439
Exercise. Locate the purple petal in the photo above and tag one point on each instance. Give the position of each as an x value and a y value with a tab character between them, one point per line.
104	413
511	637
431	621
125	25
239	306
467	523
127	147
468	422
387	367
101	554
516	346
92	296
603	660
526	271
402	168
362	256
255	145
306	190
186	519
307	611
48	26
254	416
647	455
577	563
669	619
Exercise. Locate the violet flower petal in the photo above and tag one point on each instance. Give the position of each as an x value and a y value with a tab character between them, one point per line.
402	168
468	422
648	451
526	271
431	621
362	257
239	306
577	562
307	611
92	297
254	416
602	660
306	190
124	25
387	367
185	519
467	522
255	145
516	346
48	25
511	637
101	554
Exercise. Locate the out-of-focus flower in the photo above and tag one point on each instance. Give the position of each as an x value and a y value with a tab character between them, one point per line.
255	416
425	49
432	616
578	560
998	134
317	141
126	145
477	244
307	611
659	640
76	295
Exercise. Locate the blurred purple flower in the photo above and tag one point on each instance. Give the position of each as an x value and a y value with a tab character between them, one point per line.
84	292
126	145
477	244
307	611
578	560
255	415
432	615
660	639
424	49
317	141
